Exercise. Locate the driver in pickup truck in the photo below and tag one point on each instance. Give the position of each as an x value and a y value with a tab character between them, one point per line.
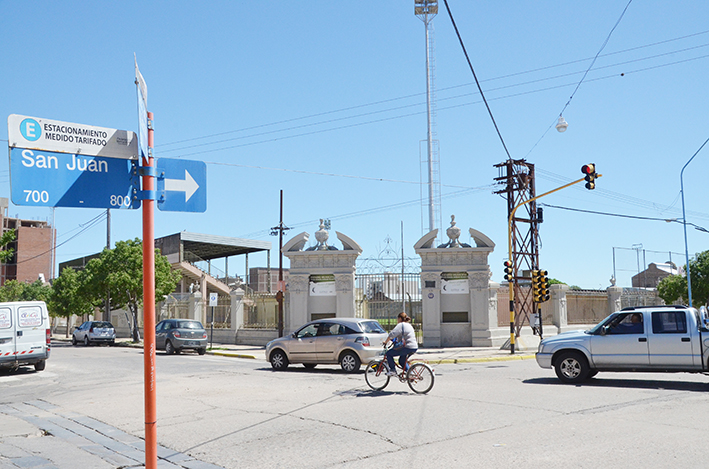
630	324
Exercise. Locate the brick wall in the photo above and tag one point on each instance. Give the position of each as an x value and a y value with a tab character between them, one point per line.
34	255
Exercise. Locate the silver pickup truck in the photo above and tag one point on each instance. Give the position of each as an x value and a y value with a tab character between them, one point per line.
649	338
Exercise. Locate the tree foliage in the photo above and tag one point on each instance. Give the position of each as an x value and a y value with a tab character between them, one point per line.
119	271
25	291
674	289
68	296
6	238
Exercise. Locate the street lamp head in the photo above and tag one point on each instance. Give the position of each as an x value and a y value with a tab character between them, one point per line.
562	125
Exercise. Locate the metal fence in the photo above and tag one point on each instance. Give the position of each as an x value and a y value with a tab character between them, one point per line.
260	311
383	296
639	297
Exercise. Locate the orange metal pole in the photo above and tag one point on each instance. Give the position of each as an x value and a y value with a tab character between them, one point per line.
151	451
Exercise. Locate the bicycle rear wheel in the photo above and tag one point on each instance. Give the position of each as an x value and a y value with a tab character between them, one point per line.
420	377
375	375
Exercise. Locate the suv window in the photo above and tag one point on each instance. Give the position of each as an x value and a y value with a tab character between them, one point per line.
671	322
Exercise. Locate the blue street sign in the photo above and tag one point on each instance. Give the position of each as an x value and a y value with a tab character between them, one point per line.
182	185
49	179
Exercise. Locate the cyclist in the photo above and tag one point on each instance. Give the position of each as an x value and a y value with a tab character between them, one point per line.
405	332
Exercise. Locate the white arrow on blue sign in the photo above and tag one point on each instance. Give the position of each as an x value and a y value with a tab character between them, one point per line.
182	185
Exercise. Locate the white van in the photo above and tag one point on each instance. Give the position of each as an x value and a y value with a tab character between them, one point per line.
24	334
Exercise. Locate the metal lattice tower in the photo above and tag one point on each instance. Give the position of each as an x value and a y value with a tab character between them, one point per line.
426	10
517	177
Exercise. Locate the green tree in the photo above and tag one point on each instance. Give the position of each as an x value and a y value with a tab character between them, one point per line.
553	281
69	296
6	238
119	271
25	291
674	288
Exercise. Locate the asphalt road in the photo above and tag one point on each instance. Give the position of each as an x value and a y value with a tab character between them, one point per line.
239	413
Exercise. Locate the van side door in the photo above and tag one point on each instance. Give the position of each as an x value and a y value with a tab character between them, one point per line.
7	335
671	341
31	336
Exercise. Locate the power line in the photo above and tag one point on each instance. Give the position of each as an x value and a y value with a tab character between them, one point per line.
401	116
86	226
603	46
636	217
370	211
438	90
465	52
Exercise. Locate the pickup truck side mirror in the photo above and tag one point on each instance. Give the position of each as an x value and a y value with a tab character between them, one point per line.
604	330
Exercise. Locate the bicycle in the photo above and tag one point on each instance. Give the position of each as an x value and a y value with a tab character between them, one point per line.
419	375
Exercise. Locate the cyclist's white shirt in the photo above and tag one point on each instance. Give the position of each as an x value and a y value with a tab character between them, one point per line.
405	330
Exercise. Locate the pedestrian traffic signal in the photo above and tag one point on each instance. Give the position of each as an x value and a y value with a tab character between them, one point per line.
540	286
508	271
590	171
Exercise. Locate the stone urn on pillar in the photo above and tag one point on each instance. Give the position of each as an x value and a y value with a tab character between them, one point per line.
321	278
459	301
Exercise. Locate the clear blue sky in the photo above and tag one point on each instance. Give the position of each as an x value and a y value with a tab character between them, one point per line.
273	95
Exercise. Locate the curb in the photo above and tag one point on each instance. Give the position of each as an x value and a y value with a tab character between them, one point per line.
230	354
448	361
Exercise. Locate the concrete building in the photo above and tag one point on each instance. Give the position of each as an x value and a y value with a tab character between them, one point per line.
259	281
650	277
34	255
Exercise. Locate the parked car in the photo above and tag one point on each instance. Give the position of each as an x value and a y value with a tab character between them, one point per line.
178	335
94	332
347	341
642	338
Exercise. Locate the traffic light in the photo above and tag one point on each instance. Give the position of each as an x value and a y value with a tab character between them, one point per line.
508	271
535	285
540	286
590	171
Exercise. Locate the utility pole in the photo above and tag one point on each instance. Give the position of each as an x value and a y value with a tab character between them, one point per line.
107	305
279	230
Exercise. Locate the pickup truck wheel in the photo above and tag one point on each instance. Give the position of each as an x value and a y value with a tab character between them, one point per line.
571	367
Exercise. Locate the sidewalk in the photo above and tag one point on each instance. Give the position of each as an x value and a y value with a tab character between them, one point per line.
525	348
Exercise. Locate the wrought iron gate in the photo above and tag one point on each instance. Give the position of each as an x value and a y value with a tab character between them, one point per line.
383	289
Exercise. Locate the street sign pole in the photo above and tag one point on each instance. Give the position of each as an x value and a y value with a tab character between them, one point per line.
151	456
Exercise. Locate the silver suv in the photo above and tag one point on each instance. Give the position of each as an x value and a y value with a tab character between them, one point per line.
347	341
94	332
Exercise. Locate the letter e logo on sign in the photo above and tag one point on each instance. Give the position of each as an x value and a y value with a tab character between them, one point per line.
31	130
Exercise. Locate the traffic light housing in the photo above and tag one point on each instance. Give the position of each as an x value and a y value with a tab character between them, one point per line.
540	286
590	171
508	271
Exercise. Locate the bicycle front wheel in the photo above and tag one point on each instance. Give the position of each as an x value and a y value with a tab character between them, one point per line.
420	377
375	375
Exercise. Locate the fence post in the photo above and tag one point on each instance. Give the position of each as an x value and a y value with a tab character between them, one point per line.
194	307
559	314
614	301
237	309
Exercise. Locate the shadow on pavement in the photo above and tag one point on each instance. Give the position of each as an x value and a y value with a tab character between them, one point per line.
627	383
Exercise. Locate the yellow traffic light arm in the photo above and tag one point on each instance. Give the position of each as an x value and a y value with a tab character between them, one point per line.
509	250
